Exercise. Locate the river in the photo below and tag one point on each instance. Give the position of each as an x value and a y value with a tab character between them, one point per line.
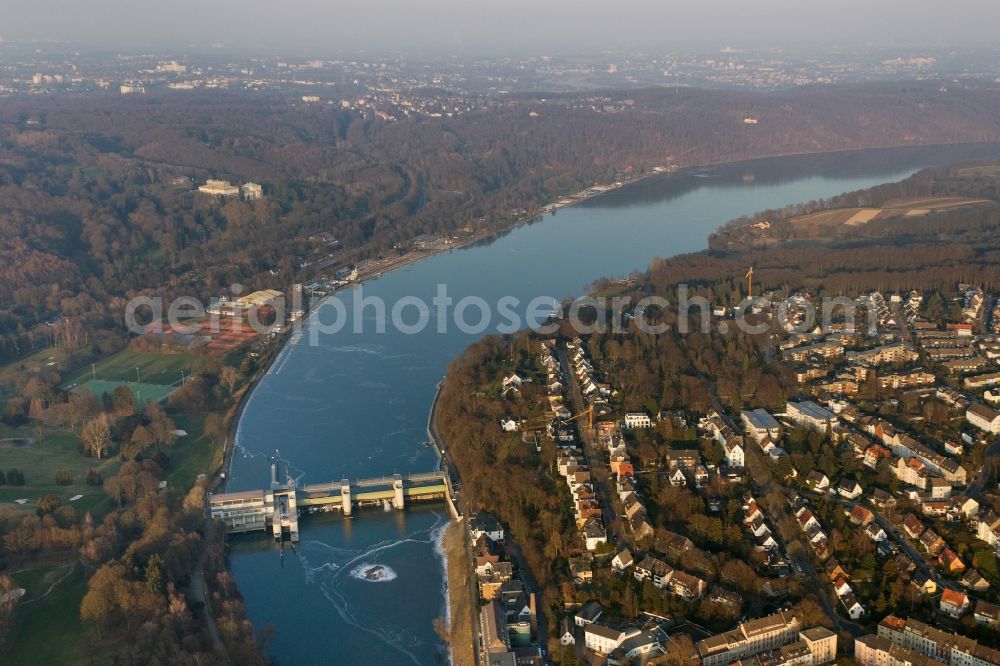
356	404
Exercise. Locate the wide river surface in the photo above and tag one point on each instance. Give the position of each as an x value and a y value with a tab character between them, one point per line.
356	403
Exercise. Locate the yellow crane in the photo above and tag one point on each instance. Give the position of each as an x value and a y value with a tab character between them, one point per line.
749	277
589	413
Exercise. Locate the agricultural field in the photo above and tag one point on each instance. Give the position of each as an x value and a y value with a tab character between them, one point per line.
985	170
908	207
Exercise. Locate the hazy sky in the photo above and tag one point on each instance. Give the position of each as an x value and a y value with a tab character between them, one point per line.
470	25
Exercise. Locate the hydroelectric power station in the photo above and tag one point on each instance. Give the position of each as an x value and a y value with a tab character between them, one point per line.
280	506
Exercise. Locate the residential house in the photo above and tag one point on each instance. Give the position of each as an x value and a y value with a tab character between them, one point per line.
589	612
622	561
817	480
566	634
484	523
849	489
931	542
733	450
973	581
851	606
953	603
913	526
860	515
950	561
987	613
923	583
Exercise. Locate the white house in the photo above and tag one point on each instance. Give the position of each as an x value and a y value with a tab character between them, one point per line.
509	424
849	488
634	420
677	478
734	452
854	609
512	380
953	603
594	534
622	560
566	636
485	524
875	533
818	480
605	640
983	417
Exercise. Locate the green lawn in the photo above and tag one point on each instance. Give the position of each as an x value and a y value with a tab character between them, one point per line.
192	454
53	450
986	562
38	360
154	368
50	627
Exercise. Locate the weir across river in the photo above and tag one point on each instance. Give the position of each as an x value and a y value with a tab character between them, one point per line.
280	506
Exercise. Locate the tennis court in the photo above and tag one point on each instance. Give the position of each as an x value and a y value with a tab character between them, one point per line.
143	392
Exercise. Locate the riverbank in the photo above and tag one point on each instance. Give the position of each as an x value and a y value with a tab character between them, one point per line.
461	604
462	597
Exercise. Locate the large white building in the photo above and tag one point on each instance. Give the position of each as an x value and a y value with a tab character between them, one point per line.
749	639
945	646
219	188
635	420
810	415
759	424
983	417
252	191
605	640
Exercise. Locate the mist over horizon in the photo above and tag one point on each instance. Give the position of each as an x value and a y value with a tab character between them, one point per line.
441	27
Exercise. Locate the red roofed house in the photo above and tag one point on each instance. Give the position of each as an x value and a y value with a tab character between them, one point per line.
953	603
950	561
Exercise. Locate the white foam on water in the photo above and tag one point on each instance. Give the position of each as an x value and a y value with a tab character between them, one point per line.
438	536
374	573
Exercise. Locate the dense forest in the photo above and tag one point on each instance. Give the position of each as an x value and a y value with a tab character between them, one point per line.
95	206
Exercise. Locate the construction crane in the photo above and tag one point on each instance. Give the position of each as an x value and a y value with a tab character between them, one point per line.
749	277
589	413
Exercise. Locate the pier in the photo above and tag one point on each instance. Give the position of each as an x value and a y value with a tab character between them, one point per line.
279	507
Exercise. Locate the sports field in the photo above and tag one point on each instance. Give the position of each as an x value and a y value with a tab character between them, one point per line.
143	392
153	368
160	374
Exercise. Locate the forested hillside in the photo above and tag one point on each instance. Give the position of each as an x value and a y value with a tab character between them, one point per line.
92	211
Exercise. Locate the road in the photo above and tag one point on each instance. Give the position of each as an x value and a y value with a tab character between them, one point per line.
801	559
600	474
516	556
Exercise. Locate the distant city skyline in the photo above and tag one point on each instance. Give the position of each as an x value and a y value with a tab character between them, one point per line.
457	26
